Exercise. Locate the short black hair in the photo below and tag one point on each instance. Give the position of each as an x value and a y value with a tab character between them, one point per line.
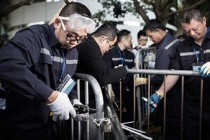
121	34
153	25
75	8
107	29
141	33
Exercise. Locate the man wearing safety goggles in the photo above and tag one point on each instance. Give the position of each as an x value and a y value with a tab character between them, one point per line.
76	28
33	63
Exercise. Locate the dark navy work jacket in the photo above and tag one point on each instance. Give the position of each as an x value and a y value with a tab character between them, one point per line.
30	65
164	54
185	57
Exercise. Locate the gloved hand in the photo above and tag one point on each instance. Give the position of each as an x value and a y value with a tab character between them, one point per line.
140	81
205	70
154	100
82	116
61	107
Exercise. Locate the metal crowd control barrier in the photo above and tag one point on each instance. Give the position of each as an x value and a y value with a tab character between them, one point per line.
98	98
181	73
106	118
141	63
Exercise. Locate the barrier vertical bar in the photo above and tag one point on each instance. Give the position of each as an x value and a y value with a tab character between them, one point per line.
201	109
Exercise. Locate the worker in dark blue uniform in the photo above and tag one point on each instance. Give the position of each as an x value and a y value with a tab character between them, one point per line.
33	63
192	54
117	56
165	45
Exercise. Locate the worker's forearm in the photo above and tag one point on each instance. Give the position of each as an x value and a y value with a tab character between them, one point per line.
169	82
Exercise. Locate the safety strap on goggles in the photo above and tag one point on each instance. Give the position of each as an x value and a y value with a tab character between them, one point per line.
76	22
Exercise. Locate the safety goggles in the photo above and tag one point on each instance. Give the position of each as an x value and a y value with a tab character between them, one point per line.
72	36
76	22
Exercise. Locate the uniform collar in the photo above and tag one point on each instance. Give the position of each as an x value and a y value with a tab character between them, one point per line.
163	41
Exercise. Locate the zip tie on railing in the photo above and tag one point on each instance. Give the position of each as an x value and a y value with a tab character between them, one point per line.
98	124
104	124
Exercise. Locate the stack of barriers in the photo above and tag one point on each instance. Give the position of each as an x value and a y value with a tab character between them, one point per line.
146	61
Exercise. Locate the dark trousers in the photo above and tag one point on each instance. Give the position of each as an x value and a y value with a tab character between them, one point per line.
173	115
191	122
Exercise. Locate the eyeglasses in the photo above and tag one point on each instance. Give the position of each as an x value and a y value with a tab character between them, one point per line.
76	22
74	37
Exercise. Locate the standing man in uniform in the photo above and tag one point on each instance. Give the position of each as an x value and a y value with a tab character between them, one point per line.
192	54
33	63
165	45
120	55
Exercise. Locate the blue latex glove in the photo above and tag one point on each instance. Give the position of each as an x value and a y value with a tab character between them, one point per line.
205	70
154	100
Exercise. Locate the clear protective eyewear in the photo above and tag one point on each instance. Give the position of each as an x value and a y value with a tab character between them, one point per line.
76	22
72	36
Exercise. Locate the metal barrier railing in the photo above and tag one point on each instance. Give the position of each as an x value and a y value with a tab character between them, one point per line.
106	119
90	80
97	92
182	74
105	110
164	72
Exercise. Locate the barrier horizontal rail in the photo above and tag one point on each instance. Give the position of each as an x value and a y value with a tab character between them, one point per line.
164	72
